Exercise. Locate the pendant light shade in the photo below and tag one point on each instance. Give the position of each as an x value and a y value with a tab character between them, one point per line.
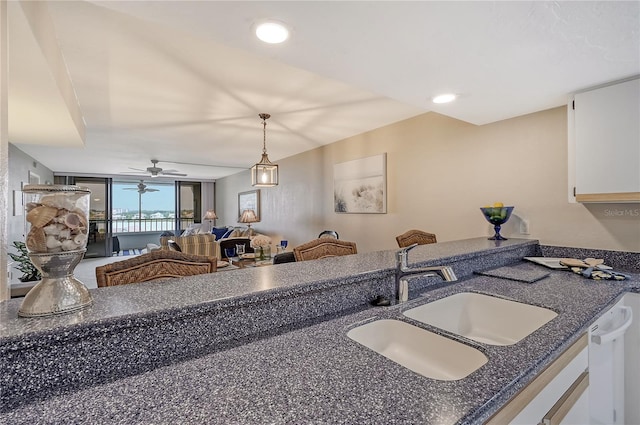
265	172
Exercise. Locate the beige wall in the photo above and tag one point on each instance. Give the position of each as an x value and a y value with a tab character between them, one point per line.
439	172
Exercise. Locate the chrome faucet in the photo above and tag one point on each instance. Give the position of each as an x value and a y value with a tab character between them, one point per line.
404	273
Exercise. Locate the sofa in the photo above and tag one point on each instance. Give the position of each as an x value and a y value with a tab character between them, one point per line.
206	244
199	244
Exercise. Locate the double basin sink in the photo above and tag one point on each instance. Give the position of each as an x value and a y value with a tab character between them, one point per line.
482	318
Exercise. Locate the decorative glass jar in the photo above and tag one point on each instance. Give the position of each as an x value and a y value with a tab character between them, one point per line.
57	227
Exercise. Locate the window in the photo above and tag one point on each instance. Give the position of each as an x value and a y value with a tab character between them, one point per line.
143	206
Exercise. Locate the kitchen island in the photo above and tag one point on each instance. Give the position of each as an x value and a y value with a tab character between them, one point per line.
273	348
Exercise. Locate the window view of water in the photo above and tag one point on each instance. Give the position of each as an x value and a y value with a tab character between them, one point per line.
144	206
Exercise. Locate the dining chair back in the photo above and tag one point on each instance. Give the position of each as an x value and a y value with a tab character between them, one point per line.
329	234
413	236
322	248
155	265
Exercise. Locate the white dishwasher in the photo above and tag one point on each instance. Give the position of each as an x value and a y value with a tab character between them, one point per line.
609	365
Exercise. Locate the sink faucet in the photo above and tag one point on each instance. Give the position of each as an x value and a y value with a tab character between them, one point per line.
404	273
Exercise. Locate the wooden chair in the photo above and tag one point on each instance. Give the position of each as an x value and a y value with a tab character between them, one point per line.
154	265
415	236
329	234
323	247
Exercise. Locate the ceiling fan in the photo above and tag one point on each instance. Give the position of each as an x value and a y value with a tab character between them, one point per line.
156	171
141	188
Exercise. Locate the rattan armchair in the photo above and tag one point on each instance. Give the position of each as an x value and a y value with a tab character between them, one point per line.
153	266
410	237
323	247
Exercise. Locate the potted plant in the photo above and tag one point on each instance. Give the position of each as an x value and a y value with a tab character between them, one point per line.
29	271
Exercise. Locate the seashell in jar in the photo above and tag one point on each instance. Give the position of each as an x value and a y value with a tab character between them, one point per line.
53	229
65	233
30	205
53	242
80	239
69	245
41	216
57	200
82	216
72	220
36	240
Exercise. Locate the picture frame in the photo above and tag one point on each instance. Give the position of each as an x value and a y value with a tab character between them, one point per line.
360	185
249	200
34	178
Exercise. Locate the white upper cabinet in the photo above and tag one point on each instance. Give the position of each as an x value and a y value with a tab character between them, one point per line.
607	143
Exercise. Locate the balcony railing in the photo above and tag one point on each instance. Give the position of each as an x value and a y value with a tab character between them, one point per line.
137	225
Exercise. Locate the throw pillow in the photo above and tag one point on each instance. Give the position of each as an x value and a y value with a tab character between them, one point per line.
173	246
220	232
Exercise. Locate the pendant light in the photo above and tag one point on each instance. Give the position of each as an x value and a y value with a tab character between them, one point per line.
264	173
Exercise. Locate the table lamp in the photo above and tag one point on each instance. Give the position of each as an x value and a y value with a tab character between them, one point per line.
248	217
210	215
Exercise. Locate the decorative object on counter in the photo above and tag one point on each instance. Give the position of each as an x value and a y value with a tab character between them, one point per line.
262	247
265	172
497	215
29	272
592	268
57	218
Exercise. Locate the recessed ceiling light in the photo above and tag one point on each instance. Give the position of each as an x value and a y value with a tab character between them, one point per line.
272	32
444	98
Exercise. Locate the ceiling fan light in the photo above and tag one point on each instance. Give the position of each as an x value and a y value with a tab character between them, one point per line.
272	32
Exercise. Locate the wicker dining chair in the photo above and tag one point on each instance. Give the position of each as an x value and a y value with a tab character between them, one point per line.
410	237
323	247
155	265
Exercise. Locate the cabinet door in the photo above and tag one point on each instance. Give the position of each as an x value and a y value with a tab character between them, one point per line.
607	150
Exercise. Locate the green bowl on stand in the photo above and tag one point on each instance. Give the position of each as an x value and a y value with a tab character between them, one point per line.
497	216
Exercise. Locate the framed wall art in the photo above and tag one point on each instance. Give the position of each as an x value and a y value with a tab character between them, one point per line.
34	178
249	200
360	186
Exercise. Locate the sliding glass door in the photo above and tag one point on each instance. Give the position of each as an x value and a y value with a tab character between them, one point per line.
100	237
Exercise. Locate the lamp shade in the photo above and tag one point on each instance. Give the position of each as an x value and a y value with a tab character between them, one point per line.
210	215
248	216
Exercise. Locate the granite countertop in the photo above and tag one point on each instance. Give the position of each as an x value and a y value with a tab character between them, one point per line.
300	370
316	374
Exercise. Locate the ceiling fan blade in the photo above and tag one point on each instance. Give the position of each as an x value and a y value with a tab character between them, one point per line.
137	169
151	190
165	173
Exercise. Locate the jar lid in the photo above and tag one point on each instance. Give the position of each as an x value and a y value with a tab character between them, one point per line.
39	188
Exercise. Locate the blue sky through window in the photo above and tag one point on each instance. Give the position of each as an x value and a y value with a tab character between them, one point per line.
162	200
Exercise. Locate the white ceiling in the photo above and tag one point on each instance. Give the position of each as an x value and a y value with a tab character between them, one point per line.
184	81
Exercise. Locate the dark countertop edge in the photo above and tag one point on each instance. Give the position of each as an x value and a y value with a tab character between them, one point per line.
81	330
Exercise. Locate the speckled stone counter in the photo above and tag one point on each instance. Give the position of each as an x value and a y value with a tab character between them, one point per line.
300	369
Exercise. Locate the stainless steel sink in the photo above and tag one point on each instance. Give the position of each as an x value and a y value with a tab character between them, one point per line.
483	318
419	350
